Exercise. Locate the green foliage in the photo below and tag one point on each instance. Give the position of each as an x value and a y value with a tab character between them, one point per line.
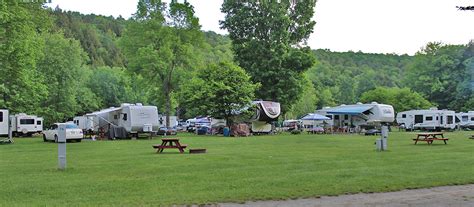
161	44
344	76
443	73
20	49
402	99
218	90
269	48
306	102
61	66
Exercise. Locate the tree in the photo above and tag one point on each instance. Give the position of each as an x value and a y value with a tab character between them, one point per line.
160	44
437	71
218	90
61	66
306	102
21	26
268	39
402	99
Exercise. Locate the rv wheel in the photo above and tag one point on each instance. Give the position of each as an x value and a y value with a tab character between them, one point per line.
56	138
44	138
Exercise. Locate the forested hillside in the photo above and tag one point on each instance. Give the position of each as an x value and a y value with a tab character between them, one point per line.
60	64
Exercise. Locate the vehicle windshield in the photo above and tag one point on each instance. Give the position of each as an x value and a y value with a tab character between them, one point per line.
71	126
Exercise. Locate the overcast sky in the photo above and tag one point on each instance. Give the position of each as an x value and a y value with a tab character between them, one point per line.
373	26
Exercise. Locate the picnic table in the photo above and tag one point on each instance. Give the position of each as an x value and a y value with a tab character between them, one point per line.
429	137
169	143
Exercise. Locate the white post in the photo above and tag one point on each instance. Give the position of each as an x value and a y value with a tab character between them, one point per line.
384	137
10	133
62	146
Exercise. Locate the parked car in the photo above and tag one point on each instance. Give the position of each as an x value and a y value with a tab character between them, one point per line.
372	132
72	133
167	131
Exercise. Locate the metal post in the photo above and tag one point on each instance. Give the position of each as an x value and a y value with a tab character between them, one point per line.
384	137
10	133
62	146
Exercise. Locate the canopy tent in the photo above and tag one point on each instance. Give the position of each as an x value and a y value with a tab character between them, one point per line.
316	117
350	110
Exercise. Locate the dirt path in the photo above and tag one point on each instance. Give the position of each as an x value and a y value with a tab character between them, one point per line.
462	195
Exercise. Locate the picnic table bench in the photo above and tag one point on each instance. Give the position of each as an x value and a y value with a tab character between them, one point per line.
429	137
169	143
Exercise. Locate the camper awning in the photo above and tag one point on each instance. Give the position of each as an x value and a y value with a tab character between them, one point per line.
350	110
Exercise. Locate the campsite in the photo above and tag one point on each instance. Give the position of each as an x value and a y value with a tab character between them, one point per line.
228	103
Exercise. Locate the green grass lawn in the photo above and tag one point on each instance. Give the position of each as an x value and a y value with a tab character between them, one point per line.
129	172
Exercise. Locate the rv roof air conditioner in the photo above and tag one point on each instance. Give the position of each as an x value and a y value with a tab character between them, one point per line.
138	104
434	108
373	102
359	103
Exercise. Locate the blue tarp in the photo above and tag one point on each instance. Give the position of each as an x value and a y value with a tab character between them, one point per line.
315	117
350	110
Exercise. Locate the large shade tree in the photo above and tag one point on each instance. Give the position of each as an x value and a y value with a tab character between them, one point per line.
268	38
219	90
160	44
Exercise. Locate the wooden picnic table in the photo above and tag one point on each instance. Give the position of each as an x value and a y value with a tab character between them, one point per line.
169	143
429	137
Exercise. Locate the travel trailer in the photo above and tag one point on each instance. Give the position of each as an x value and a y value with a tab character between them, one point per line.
358	115
430	119
465	120
21	124
266	112
26	125
123	121
4	123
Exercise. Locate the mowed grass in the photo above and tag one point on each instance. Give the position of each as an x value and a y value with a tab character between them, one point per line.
129	172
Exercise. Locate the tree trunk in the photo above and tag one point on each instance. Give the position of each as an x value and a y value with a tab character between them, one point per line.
168	102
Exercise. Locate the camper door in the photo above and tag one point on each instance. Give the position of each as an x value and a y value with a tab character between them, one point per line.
3	122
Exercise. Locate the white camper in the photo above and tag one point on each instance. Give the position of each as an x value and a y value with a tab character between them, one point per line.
430	119
4	122
85	122
265	113
26	125
124	120
465	120
173	121
358	115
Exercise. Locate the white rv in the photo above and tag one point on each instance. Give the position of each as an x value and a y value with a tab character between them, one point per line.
430	119
4	122
26	125
21	124
359	115
85	122
123	121
466	120
173	121
265	113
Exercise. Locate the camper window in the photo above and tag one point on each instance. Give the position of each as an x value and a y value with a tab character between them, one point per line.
27	121
125	117
404	116
429	118
336	117
472	119
39	122
115	116
1	116
346	117
465	118
450	119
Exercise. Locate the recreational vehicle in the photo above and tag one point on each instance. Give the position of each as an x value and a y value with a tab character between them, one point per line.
123	121
358	115
4	122
21	124
430	119
266	112
26	125
466	120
